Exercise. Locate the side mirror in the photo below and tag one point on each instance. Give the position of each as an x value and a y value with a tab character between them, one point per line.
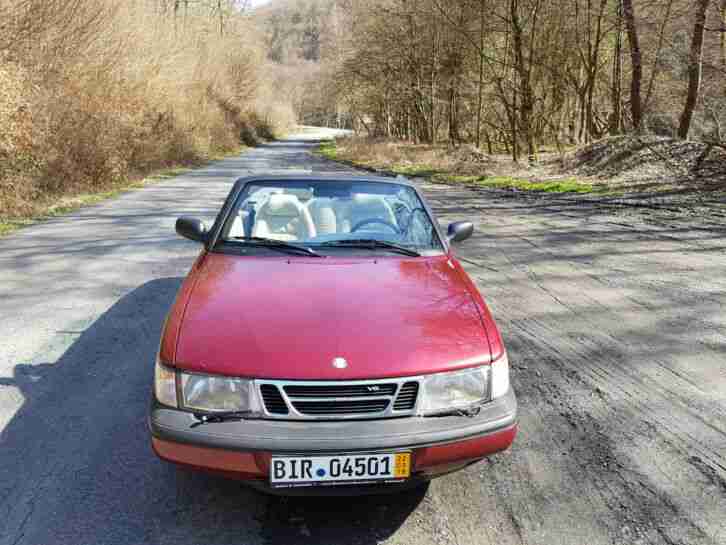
192	228
459	231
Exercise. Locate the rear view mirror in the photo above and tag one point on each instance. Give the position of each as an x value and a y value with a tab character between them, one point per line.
192	228
460	231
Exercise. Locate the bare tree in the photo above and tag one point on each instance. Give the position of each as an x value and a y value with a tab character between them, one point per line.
636	107
694	69
616	120
514	75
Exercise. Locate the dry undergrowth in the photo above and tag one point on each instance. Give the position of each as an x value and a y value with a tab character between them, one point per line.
627	164
405	157
462	164
96	92
650	163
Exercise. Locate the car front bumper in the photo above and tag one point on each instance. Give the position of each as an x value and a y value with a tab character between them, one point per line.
243	449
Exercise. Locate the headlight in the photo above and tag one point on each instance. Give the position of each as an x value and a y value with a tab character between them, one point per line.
215	393
165	384
447	391
500	376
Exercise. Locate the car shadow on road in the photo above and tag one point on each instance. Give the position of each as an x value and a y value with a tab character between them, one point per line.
317	520
76	466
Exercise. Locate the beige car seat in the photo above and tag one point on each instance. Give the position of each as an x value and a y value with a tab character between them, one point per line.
363	207
322	211
237	229
283	217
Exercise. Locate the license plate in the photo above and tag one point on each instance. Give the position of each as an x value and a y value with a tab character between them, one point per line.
286	471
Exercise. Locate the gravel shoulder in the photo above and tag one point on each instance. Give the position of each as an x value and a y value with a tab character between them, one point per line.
614	320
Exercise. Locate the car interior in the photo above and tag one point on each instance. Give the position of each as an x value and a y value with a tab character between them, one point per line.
303	214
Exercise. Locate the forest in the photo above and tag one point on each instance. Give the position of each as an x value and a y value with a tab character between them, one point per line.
97	92
512	75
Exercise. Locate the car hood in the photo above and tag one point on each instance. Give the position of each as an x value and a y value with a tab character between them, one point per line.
279	318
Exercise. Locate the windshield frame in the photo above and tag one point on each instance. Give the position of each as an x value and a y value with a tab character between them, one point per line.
215	242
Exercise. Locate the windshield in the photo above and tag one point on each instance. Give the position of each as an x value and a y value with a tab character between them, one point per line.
323	214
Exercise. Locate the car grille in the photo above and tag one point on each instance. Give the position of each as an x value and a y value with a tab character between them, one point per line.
341	390
341	407
329	400
406	399
273	400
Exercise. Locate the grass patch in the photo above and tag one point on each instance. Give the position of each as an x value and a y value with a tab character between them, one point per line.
328	149
566	185
66	204
423	170
437	164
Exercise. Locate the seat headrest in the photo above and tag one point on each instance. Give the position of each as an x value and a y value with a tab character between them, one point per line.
302	193
365	198
282	205
320	202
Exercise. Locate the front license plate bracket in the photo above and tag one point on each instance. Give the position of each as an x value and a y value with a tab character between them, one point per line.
340	469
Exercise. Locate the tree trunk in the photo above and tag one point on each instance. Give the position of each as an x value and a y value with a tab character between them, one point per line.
515	130
616	90
481	75
434	66
526	106
636	106
592	71
655	71
694	69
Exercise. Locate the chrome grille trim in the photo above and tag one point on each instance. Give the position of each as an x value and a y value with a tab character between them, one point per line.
330	386
273	400
407	395
341	390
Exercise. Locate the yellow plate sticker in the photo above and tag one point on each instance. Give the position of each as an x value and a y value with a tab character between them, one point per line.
402	465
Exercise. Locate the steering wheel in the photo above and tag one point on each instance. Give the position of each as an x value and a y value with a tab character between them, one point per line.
400	204
411	213
371	221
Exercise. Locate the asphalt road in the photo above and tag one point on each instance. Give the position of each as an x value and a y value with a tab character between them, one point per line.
614	321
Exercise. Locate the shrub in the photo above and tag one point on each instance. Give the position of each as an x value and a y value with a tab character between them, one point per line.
95	91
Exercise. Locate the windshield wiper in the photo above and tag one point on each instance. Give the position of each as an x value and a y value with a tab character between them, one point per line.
280	245
224	416
372	244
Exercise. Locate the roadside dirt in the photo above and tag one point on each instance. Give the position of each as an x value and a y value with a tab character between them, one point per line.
614	321
683	178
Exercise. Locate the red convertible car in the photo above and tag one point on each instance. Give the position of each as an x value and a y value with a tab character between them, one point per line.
327	337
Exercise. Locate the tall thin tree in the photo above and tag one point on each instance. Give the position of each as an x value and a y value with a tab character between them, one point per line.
636	106
695	63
